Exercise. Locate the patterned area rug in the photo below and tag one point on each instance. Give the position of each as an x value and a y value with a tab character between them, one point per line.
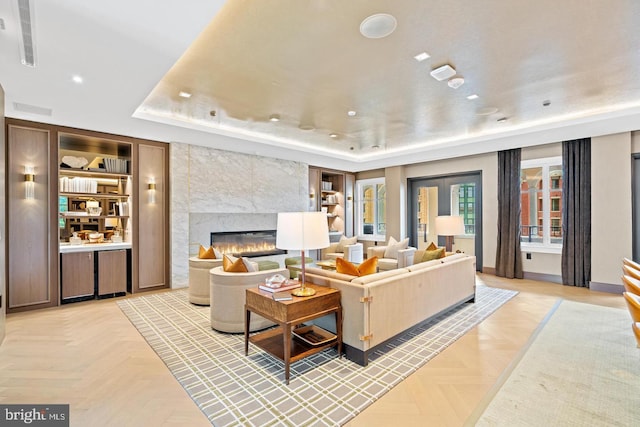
236	390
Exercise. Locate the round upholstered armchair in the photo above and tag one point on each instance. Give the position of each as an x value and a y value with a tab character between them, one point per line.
227	297
199	279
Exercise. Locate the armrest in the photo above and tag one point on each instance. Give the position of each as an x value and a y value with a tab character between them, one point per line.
376	251
354	253
328	250
405	257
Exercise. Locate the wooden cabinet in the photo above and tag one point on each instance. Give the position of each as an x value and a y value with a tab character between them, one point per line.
32	259
77	275
112	272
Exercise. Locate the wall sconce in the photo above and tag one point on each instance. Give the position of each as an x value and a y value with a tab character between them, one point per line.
29	183
152	191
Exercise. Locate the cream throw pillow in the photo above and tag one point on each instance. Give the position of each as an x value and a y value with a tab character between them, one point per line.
345	241
394	246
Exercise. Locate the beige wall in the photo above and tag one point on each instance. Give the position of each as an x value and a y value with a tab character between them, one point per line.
611	231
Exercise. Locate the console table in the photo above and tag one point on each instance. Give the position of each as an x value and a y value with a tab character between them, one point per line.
288	314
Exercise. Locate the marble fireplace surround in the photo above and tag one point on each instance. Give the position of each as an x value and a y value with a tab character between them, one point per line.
215	190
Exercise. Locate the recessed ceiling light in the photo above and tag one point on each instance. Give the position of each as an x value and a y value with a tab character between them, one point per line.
378	26
274	118
184	94
455	82
351	113
77	79
502	120
306	126
443	73
333	135
422	56
487	111
472	97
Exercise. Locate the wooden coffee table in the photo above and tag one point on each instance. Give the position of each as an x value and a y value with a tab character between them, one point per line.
288	315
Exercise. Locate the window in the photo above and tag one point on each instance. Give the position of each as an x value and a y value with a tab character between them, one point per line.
463	203
370	206
541	204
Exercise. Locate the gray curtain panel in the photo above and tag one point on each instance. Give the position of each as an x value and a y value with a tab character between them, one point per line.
576	212
508	254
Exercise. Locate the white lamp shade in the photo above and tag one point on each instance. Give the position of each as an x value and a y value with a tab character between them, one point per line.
302	230
449	225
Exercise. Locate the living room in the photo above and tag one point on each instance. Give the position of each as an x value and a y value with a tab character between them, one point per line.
229	179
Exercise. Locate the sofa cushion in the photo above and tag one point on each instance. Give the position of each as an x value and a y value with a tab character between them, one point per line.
378	276
330	274
345	241
394	246
433	254
231	264
369	266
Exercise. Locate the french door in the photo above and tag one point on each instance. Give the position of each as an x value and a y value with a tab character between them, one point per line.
459	195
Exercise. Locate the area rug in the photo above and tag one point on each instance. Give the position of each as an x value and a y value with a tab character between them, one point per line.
232	389
582	368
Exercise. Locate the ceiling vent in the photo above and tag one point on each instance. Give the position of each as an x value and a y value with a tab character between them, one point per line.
27	39
32	109
443	73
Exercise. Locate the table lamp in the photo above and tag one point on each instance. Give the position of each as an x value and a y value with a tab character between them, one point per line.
302	231
449	226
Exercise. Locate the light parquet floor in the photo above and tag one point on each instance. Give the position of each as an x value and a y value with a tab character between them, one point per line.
90	356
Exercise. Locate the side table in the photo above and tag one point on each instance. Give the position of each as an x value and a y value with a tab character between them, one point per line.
288	314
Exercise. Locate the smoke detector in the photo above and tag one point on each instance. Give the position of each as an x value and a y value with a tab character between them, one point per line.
455	82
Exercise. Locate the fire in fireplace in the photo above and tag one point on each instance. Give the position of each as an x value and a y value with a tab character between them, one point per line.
246	243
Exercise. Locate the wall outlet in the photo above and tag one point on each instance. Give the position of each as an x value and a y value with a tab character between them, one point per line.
528	255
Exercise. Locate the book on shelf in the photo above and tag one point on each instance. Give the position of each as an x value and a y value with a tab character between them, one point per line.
281	296
287	287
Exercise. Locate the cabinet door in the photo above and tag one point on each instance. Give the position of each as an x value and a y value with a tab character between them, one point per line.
151	257
31	252
112	272
77	275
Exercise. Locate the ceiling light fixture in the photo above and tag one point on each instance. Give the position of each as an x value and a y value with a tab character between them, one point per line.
455	82
422	56
333	135
443	73
378	26
351	113
274	118
472	97
77	79
306	126
184	94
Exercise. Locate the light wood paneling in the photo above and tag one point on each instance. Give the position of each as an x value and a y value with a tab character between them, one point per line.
112	272
77	273
32	280
3	228
152	244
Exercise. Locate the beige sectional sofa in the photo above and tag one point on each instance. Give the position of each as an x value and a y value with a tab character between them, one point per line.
380	306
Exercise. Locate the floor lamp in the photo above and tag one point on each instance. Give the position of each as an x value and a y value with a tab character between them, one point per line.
302	231
449	226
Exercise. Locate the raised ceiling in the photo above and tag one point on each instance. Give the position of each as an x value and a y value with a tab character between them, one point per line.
307	63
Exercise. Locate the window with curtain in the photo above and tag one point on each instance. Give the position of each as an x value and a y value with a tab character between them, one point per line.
541	204
370	209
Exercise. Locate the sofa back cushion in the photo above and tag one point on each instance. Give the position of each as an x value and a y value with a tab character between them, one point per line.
330	274
378	276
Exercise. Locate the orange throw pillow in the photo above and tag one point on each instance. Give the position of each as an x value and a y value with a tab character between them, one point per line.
233	265
369	266
432	247
206	253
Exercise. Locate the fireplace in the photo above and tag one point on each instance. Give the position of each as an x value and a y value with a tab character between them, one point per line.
246	243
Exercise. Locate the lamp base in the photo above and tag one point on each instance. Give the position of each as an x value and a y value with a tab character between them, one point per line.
303	292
